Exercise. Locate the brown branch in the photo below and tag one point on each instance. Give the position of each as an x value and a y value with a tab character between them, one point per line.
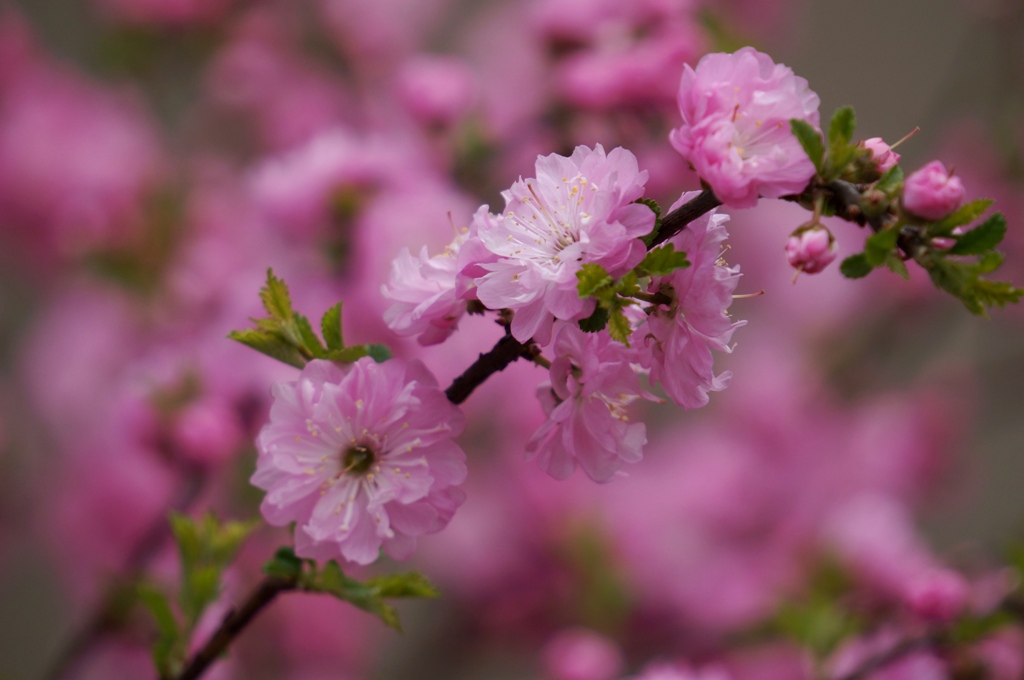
676	221
234	622
504	353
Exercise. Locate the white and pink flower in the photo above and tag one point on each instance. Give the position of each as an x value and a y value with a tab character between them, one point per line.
579	209
736	134
592	383
360	457
678	337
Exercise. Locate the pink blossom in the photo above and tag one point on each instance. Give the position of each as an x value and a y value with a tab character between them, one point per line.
881	153
618	54
359	457
437	90
423	294
811	249
579	209
932	193
736	110
678	337
592	382
581	654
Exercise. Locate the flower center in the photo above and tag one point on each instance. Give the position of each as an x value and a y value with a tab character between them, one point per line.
358	460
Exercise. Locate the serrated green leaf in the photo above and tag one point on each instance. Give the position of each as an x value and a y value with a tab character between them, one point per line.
349	355
618	326
880	246
855	266
271	344
330	326
407	584
168	644
201	586
810	140
897	266
891	181
653	205
662	261
188	538
841	128
331	579
595	322
227	540
996	293
307	338
965	215
982	239
284	564
989	262
378	352
592	278
275	297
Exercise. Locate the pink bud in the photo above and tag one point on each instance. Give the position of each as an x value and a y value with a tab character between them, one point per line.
883	155
811	249
931	193
580	654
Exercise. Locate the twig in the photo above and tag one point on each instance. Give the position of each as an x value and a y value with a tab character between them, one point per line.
234	622
106	615
676	221
504	353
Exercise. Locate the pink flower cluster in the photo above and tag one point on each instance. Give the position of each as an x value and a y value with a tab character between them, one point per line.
579	210
360	457
735	133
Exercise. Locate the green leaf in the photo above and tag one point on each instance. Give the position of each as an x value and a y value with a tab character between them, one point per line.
595	322
840	129
378	352
275	298
618	326
653	205
662	261
591	278
880	246
200	588
810	140
271	344
856	266
331	579
965	215
330	326
407	584
890	182
307	338
167	649
996	293
982	238
284	564
897	266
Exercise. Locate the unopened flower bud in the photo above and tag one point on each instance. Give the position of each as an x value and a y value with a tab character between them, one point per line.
932	193
811	248
881	153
